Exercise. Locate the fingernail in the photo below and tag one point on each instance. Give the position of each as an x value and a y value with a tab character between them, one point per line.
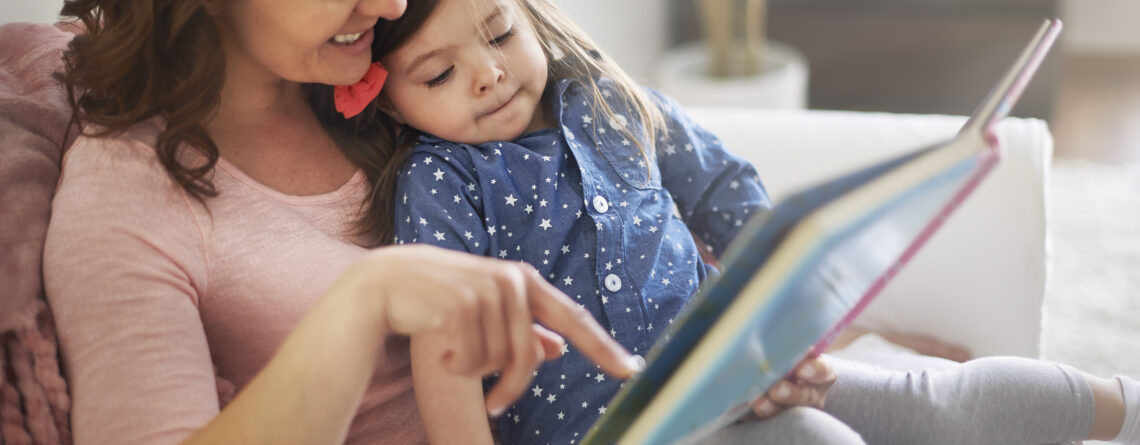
765	408
806	372
782	391
497	411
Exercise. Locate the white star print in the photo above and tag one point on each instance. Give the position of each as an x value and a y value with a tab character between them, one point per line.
529	209
427	161
438	174
511	199
537	391
545	224
439	236
568	281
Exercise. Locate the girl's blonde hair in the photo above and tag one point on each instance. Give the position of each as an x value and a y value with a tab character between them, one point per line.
572	54
380	145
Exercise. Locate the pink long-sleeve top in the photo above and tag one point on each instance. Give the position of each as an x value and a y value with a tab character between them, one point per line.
151	291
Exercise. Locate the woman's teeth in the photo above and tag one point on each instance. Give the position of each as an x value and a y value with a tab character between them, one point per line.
347	39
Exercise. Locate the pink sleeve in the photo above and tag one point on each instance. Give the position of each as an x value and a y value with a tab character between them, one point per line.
123	268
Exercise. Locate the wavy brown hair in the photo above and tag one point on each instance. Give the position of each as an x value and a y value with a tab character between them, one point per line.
569	52
372	139
139	59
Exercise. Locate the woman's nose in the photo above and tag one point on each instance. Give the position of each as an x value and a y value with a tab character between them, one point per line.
387	9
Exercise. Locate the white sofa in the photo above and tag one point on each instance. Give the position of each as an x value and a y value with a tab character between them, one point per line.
980	280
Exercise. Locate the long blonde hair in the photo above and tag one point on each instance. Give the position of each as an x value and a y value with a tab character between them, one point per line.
572	54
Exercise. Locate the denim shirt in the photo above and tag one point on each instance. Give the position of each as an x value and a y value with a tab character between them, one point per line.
581	204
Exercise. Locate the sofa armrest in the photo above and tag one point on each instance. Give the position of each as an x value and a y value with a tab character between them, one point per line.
980	280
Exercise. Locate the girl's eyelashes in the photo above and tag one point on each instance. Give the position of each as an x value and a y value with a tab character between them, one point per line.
441	78
503	38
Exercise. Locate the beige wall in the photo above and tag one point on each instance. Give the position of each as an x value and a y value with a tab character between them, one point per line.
40	11
633	32
1102	25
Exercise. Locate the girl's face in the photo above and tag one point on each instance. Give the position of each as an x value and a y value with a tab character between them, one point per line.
473	73
322	41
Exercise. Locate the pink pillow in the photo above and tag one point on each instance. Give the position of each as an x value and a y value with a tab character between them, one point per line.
34	117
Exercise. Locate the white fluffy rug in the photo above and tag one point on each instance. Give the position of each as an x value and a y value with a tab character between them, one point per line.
1092	299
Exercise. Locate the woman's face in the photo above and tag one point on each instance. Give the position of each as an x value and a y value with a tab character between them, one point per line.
474	72
321	41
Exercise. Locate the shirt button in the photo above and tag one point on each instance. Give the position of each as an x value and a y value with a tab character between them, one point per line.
600	204
613	283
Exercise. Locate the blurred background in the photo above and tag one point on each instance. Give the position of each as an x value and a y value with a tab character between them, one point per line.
914	56
933	56
925	56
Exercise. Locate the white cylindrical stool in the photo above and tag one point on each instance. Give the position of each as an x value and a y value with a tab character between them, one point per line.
681	73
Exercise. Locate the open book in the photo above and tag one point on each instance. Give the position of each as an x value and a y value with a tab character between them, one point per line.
798	274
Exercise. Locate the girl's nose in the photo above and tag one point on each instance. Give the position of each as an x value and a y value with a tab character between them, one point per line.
387	9
490	75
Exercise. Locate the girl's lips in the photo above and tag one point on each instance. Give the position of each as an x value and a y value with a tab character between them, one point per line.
364	43
504	105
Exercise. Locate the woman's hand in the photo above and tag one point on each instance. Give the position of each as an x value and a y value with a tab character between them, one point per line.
485	310
812	378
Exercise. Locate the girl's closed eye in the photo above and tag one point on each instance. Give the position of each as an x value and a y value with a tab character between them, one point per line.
503	38
441	78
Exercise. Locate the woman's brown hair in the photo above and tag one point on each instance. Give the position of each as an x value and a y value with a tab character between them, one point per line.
372	139
145	58
569	52
139	59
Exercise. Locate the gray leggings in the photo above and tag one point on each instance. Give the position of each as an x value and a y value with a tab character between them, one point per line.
998	400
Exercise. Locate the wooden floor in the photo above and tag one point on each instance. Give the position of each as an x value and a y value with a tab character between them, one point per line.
1097	109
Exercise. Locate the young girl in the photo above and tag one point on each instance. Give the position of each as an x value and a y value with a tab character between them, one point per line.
516	140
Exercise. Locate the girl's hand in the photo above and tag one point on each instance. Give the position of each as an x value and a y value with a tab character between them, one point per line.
485	311
809	387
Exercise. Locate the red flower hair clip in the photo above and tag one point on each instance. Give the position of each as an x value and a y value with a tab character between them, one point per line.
350	100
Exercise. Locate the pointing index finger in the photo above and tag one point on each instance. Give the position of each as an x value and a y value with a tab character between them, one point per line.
558	312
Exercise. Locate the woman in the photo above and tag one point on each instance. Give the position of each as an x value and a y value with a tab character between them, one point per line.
205	232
